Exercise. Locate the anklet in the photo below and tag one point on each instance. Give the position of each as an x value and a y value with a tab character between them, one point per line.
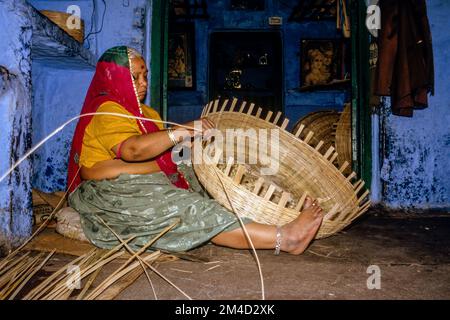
278	241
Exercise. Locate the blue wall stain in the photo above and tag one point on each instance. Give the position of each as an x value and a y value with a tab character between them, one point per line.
187	105
416	170
15	117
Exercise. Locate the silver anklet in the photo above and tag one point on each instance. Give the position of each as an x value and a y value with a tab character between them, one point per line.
278	241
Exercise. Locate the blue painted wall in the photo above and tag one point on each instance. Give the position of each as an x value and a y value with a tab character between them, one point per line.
416	164
187	105
15	119
59	89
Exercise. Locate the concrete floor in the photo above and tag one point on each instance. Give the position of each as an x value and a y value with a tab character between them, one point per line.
412	252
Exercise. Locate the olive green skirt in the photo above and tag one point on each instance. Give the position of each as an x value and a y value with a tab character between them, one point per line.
142	206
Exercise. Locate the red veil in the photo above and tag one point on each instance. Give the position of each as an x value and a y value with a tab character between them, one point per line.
113	82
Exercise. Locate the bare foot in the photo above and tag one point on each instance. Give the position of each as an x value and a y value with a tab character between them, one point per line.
297	235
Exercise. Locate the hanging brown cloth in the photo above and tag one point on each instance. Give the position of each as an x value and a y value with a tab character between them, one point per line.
405	65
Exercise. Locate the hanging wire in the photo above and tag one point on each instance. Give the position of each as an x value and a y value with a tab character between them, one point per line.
94	9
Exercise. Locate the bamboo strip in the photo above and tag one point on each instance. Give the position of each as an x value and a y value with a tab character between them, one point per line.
88	284
258	185
270	192
216	105
239	174
40	289
319	145
309	137
285	197
258	113
269	115
351	176
233	104
228	167
365	194
328	153
250	109
138	253
31	275
224	104
335	155
344	166
285	124
241	109
300	203
299	130
277	118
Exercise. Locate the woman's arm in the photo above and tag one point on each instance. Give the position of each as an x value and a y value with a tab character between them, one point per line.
111	169
148	146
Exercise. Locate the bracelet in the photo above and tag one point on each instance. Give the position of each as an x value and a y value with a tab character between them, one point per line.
278	241
172	136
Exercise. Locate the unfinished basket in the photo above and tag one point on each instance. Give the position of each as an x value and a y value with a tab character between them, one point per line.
321	124
343	136
60	19
304	169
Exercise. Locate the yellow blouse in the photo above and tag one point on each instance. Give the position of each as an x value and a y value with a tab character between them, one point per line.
106	131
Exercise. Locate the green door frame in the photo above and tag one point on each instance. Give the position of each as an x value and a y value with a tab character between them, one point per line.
361	118
158	68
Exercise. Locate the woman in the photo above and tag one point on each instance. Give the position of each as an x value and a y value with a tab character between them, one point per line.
124	178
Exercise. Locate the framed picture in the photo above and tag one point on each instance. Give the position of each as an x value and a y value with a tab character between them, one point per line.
181	58
322	62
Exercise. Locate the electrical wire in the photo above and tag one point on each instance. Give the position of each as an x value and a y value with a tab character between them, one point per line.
94	9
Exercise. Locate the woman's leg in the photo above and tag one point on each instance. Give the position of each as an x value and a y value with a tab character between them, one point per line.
296	235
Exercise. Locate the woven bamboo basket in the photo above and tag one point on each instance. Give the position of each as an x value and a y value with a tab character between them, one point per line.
343	136
60	19
321	123
304	169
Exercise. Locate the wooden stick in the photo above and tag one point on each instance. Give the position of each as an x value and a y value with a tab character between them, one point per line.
239	174
309	137
258	113
269	115
241	109
45	284
277	117
88	284
224	104
299	130
299	205
228	167
216	105
319	145
114	290
250	109
233	104
335	155
138	253
329	152
285	123
351	176
344	166
31	275
270	192
258	185
285	197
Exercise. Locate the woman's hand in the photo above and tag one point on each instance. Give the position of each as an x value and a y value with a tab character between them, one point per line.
200	126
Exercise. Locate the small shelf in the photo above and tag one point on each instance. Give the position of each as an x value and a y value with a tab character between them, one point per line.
51	43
